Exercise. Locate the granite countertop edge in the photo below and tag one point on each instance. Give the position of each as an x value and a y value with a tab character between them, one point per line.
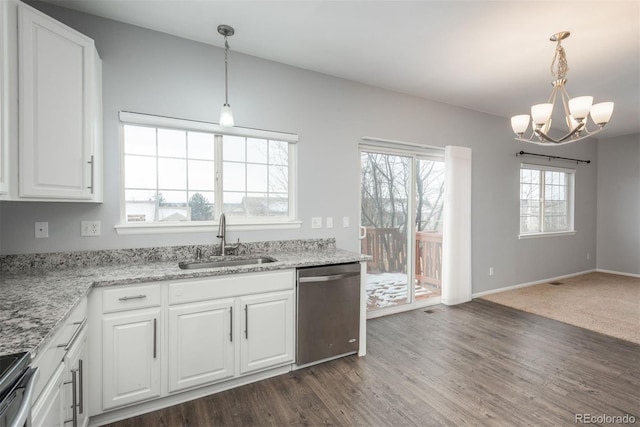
36	304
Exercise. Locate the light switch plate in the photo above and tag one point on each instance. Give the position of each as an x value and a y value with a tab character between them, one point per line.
316	222
345	221
329	222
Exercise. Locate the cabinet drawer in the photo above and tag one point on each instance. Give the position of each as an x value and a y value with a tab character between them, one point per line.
50	356
230	286
130	298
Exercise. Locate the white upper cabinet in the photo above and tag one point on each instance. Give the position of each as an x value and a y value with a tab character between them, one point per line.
4	101
59	112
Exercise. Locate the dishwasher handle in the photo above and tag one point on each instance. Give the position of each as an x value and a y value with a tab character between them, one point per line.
327	278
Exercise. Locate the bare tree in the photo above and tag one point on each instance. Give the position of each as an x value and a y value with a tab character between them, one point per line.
385	190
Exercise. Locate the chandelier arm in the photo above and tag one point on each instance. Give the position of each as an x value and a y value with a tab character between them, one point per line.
544	136
576	130
565	104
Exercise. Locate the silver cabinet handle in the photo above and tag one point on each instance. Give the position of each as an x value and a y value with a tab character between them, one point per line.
231	324
246	321
91	162
133	297
327	278
68	345
80	386
74	398
155	336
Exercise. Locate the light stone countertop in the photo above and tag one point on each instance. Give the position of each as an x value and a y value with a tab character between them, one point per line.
34	304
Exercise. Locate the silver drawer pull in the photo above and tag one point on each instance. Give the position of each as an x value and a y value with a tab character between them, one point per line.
68	345
133	297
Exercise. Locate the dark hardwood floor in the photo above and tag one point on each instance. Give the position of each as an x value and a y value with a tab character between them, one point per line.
474	364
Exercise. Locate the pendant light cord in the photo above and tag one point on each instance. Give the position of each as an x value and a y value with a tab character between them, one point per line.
226	72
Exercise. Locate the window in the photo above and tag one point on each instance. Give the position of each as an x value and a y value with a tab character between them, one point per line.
180	173
546	200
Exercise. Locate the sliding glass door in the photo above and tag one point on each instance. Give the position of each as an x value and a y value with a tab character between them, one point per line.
385	189
401	198
428	231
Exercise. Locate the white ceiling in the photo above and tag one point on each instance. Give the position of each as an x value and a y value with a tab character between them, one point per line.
489	56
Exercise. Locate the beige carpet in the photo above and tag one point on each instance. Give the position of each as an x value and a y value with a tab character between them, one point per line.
601	302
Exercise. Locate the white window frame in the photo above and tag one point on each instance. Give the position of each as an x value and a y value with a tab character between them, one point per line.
571	177
233	222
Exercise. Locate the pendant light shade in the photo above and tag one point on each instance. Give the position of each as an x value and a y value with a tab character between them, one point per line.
226	115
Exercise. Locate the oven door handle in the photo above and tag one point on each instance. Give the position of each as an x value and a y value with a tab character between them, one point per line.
23	416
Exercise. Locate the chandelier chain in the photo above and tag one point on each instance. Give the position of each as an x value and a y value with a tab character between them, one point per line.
560	63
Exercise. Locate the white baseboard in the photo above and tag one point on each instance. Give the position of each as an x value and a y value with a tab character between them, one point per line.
524	285
620	273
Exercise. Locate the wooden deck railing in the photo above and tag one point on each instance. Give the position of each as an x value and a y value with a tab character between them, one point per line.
388	247
429	258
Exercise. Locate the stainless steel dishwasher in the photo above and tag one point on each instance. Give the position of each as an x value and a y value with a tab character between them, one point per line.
328	312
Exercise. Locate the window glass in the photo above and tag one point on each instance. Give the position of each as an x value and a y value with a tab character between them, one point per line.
140	140
546	201
172	143
173	175
200	145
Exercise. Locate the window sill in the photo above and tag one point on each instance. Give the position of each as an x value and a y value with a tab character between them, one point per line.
189	227
536	235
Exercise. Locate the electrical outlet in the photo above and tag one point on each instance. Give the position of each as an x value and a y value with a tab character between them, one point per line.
329	222
316	222
490	271
42	230
89	228
345	221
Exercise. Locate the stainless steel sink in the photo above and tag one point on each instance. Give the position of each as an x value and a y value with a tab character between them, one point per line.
227	262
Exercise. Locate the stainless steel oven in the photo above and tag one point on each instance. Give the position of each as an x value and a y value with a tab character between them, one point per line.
17	381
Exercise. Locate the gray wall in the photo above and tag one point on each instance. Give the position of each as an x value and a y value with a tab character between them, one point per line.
150	72
619	204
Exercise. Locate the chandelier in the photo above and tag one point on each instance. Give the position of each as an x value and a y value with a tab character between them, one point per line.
576	110
226	115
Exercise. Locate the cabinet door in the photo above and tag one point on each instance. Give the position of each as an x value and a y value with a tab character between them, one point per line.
201	341
267	331
48	410
131	357
76	395
56	135
4	102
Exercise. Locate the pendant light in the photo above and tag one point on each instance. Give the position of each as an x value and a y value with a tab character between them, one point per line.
226	115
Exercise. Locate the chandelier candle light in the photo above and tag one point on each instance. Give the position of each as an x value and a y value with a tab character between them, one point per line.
576	109
226	115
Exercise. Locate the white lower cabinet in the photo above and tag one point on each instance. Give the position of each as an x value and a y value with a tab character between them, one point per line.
161	339
75	396
201	343
130	357
48	410
267	331
53	391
